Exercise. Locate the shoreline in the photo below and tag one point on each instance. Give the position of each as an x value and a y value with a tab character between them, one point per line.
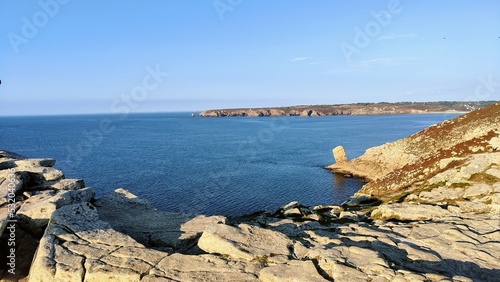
431	216
351	109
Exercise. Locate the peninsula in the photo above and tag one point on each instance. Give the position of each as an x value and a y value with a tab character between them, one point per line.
351	109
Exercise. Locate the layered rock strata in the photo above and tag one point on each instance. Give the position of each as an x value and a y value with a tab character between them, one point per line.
349	109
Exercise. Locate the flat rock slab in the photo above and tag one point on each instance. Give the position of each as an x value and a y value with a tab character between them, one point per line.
62	184
202	268
411	212
35	212
246	242
136	218
35	162
77	246
291	272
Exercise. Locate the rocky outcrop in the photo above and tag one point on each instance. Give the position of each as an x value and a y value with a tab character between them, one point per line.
246	242
135	217
339	155
30	191
36	211
398	165
349	109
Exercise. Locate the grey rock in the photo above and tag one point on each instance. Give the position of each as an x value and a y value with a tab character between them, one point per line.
291	205
350	215
291	272
35	212
407	211
34	162
10	186
77	244
135	217
339	155
39	175
295	212
245	242
62	184
202	268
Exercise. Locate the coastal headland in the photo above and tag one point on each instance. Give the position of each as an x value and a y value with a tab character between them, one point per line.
430	211
351	109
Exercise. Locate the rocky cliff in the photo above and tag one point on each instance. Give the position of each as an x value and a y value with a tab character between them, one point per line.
412	161
350	109
444	226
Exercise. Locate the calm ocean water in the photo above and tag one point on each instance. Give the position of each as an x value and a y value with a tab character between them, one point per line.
228	166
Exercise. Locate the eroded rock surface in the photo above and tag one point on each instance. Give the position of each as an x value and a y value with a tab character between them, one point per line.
30	191
133	216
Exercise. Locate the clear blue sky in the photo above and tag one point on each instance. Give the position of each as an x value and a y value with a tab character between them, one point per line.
82	56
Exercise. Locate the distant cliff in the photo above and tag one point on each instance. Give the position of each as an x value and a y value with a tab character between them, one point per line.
350	109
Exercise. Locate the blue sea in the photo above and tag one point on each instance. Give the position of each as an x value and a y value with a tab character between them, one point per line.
228	166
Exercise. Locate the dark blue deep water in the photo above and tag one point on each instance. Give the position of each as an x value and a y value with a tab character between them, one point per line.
228	166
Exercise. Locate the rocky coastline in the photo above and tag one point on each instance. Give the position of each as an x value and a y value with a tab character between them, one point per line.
351	109
429	212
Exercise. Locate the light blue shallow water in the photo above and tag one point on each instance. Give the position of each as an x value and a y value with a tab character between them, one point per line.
228	166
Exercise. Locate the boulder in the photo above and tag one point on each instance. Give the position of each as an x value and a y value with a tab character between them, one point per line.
408	211
291	205
35	212
7	159
295	212
39	175
339	155
246	242
62	184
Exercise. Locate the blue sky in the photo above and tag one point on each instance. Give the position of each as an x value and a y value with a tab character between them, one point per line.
70	57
